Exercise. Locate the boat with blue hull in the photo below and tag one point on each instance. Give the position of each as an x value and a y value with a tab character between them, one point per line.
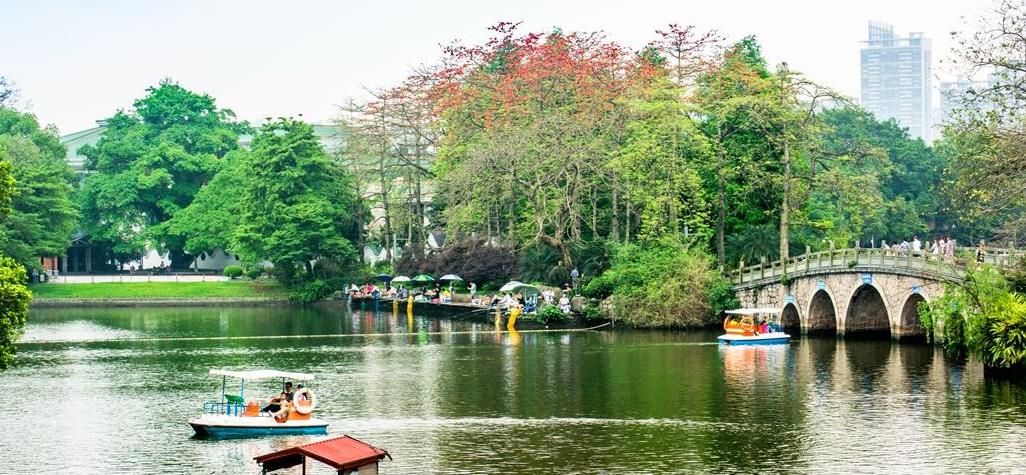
234	417
742	328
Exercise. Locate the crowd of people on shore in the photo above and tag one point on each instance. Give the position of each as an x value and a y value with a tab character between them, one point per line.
438	294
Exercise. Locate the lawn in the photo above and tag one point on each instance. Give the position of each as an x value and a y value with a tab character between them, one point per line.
158	290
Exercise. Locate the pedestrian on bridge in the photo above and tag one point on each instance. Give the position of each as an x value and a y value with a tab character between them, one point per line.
981	252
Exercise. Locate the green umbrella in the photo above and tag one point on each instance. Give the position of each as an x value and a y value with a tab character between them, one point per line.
423	279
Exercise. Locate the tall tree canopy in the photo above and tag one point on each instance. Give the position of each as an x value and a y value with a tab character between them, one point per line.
42	212
149	165
296	204
14	295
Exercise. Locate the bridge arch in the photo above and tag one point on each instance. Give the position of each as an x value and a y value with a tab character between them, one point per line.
867	313
909	325
822	315
790	319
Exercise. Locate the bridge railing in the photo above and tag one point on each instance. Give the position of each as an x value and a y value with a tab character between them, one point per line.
923	263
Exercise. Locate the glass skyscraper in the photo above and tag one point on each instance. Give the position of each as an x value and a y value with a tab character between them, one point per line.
896	78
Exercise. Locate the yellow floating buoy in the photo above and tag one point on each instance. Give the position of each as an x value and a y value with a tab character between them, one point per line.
512	323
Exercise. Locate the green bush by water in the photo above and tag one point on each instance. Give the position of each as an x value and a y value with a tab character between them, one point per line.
663	283
983	315
232	272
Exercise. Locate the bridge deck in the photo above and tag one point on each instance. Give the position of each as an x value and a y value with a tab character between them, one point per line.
864	260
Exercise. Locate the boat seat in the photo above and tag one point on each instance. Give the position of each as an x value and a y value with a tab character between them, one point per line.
234	404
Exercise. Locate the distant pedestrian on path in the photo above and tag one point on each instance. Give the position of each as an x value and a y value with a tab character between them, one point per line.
575	275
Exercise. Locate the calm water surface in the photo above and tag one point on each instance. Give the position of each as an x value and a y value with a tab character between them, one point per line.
458	397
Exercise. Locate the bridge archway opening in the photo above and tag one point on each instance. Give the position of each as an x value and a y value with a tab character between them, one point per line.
911	326
790	319
867	314
822	316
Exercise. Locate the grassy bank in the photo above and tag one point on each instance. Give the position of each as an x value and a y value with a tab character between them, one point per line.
158	290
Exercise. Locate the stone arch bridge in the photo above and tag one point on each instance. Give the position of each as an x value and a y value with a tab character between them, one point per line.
852	291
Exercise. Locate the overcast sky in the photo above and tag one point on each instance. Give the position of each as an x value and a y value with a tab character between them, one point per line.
79	61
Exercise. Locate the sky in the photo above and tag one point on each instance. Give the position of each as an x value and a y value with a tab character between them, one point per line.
79	61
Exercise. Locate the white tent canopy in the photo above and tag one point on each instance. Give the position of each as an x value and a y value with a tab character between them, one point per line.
753	311
261	374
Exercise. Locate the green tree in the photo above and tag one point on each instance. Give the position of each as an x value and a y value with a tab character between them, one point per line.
14	302
14	295
149	165
730	96
658	161
209	222
43	214
296	204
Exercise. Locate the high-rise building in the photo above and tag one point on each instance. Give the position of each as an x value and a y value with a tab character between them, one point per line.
896	78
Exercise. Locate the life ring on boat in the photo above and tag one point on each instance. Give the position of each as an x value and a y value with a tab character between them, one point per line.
747	325
304	408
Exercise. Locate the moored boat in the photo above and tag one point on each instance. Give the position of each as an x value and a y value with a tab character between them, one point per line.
742	329
234	416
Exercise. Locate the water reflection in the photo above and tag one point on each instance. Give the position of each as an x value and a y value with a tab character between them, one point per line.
463	396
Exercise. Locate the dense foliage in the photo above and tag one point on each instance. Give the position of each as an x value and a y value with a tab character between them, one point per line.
148	166
42	212
296	204
474	260
14	302
662	283
985	315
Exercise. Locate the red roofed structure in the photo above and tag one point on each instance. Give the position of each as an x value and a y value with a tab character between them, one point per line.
345	454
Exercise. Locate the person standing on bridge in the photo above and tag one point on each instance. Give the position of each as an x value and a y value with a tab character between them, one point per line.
917	247
949	249
981	252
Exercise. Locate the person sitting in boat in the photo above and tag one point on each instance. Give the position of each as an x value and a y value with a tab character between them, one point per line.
278	401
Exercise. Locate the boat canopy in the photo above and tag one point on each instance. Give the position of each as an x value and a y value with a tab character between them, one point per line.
753	311
261	374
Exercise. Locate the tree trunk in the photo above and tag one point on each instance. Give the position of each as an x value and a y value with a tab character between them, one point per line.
389	237
785	205
721	212
512	222
614	221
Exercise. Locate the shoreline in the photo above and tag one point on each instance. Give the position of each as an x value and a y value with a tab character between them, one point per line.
156	302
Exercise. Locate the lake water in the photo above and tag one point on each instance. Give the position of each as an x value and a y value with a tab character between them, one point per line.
109	390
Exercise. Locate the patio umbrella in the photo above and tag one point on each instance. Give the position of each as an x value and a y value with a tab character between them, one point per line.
516	286
422	279
384	277
448	277
399	279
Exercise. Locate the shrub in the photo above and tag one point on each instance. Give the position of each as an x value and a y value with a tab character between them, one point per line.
983	315
312	291
14	303
551	314
664	283
598	288
253	273
232	272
